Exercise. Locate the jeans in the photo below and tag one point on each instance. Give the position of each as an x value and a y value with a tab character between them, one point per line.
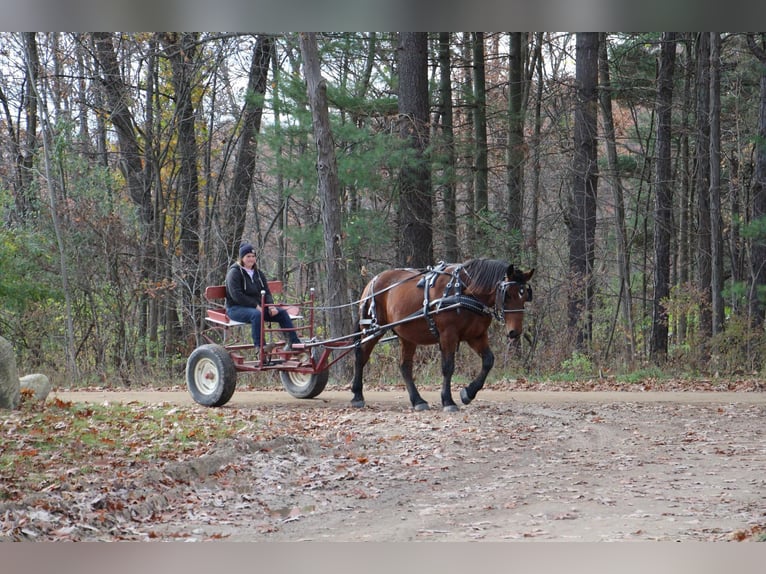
252	315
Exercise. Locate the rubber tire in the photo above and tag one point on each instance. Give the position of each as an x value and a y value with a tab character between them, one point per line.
303	385
211	376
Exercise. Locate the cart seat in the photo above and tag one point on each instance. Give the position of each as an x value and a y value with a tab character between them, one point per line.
216	296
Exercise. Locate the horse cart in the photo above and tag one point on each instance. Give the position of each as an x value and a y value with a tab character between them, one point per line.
212	368
443	305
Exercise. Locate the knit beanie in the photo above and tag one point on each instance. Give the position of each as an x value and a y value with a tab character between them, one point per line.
244	249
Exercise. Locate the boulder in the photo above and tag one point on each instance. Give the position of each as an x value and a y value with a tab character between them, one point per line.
38	384
10	391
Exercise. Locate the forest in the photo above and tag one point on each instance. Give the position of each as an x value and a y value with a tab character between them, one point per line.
627	169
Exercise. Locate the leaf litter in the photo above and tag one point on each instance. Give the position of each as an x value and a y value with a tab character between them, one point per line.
492	471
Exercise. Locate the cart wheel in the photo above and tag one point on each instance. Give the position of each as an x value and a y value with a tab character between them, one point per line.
210	375
305	385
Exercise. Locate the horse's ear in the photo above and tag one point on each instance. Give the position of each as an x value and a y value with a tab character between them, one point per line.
509	273
529	274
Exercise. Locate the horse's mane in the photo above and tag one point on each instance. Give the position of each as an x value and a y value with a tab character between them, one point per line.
483	274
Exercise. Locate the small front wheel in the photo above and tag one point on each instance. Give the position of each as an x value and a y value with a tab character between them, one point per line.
211	375
305	385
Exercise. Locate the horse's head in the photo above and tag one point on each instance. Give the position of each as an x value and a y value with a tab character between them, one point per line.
511	295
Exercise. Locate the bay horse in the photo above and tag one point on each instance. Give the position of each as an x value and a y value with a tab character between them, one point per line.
442	305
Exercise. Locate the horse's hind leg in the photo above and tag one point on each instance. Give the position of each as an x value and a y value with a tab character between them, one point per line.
405	367
482	349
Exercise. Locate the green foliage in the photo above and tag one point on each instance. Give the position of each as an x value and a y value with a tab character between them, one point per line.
739	348
577	366
633	67
642	374
756	229
496	240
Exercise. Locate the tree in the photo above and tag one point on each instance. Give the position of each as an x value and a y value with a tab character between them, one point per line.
451	252
615	182
481	169
716	223
758	249
181	50
663	202
415	237
328	187
582	208
516	147
235	209
702	179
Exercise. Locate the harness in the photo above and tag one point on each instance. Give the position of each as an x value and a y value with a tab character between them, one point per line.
452	299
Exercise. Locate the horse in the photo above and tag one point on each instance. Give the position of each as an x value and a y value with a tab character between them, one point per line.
443	305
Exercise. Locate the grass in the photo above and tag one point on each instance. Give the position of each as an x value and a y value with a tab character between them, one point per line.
44	445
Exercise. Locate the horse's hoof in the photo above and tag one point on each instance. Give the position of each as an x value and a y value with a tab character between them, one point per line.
464	397
450	409
357	404
421	407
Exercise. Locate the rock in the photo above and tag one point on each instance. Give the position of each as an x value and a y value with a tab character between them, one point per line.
37	383
10	392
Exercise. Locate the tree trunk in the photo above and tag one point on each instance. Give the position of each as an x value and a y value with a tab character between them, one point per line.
181	51
716	221
615	181
663	199
702	181
328	187
235	211
481	171
531	241
758	248
25	201
415	247
451	252
118	99
582	212
686	190
516	153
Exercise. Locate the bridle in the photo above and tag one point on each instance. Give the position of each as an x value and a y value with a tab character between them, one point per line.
525	293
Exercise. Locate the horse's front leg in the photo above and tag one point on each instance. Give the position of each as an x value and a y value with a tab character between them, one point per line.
361	356
405	367
448	369
481	347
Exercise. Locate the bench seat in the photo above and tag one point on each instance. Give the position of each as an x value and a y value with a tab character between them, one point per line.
216	295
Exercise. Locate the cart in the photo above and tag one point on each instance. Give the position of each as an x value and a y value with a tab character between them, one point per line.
212	368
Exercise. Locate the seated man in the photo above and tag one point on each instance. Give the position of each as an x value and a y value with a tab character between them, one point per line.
244	283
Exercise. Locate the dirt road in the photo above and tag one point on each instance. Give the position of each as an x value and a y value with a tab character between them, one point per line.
583	466
340	399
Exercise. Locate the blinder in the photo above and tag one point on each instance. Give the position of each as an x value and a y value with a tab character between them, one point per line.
524	292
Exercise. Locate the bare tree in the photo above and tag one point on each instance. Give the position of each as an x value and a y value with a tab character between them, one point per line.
235	210
582	209
663	199
615	182
451	252
481	170
758	249
516	154
716	221
181	50
702	178
328	187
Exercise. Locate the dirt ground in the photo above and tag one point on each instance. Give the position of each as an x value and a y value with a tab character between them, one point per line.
561	466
